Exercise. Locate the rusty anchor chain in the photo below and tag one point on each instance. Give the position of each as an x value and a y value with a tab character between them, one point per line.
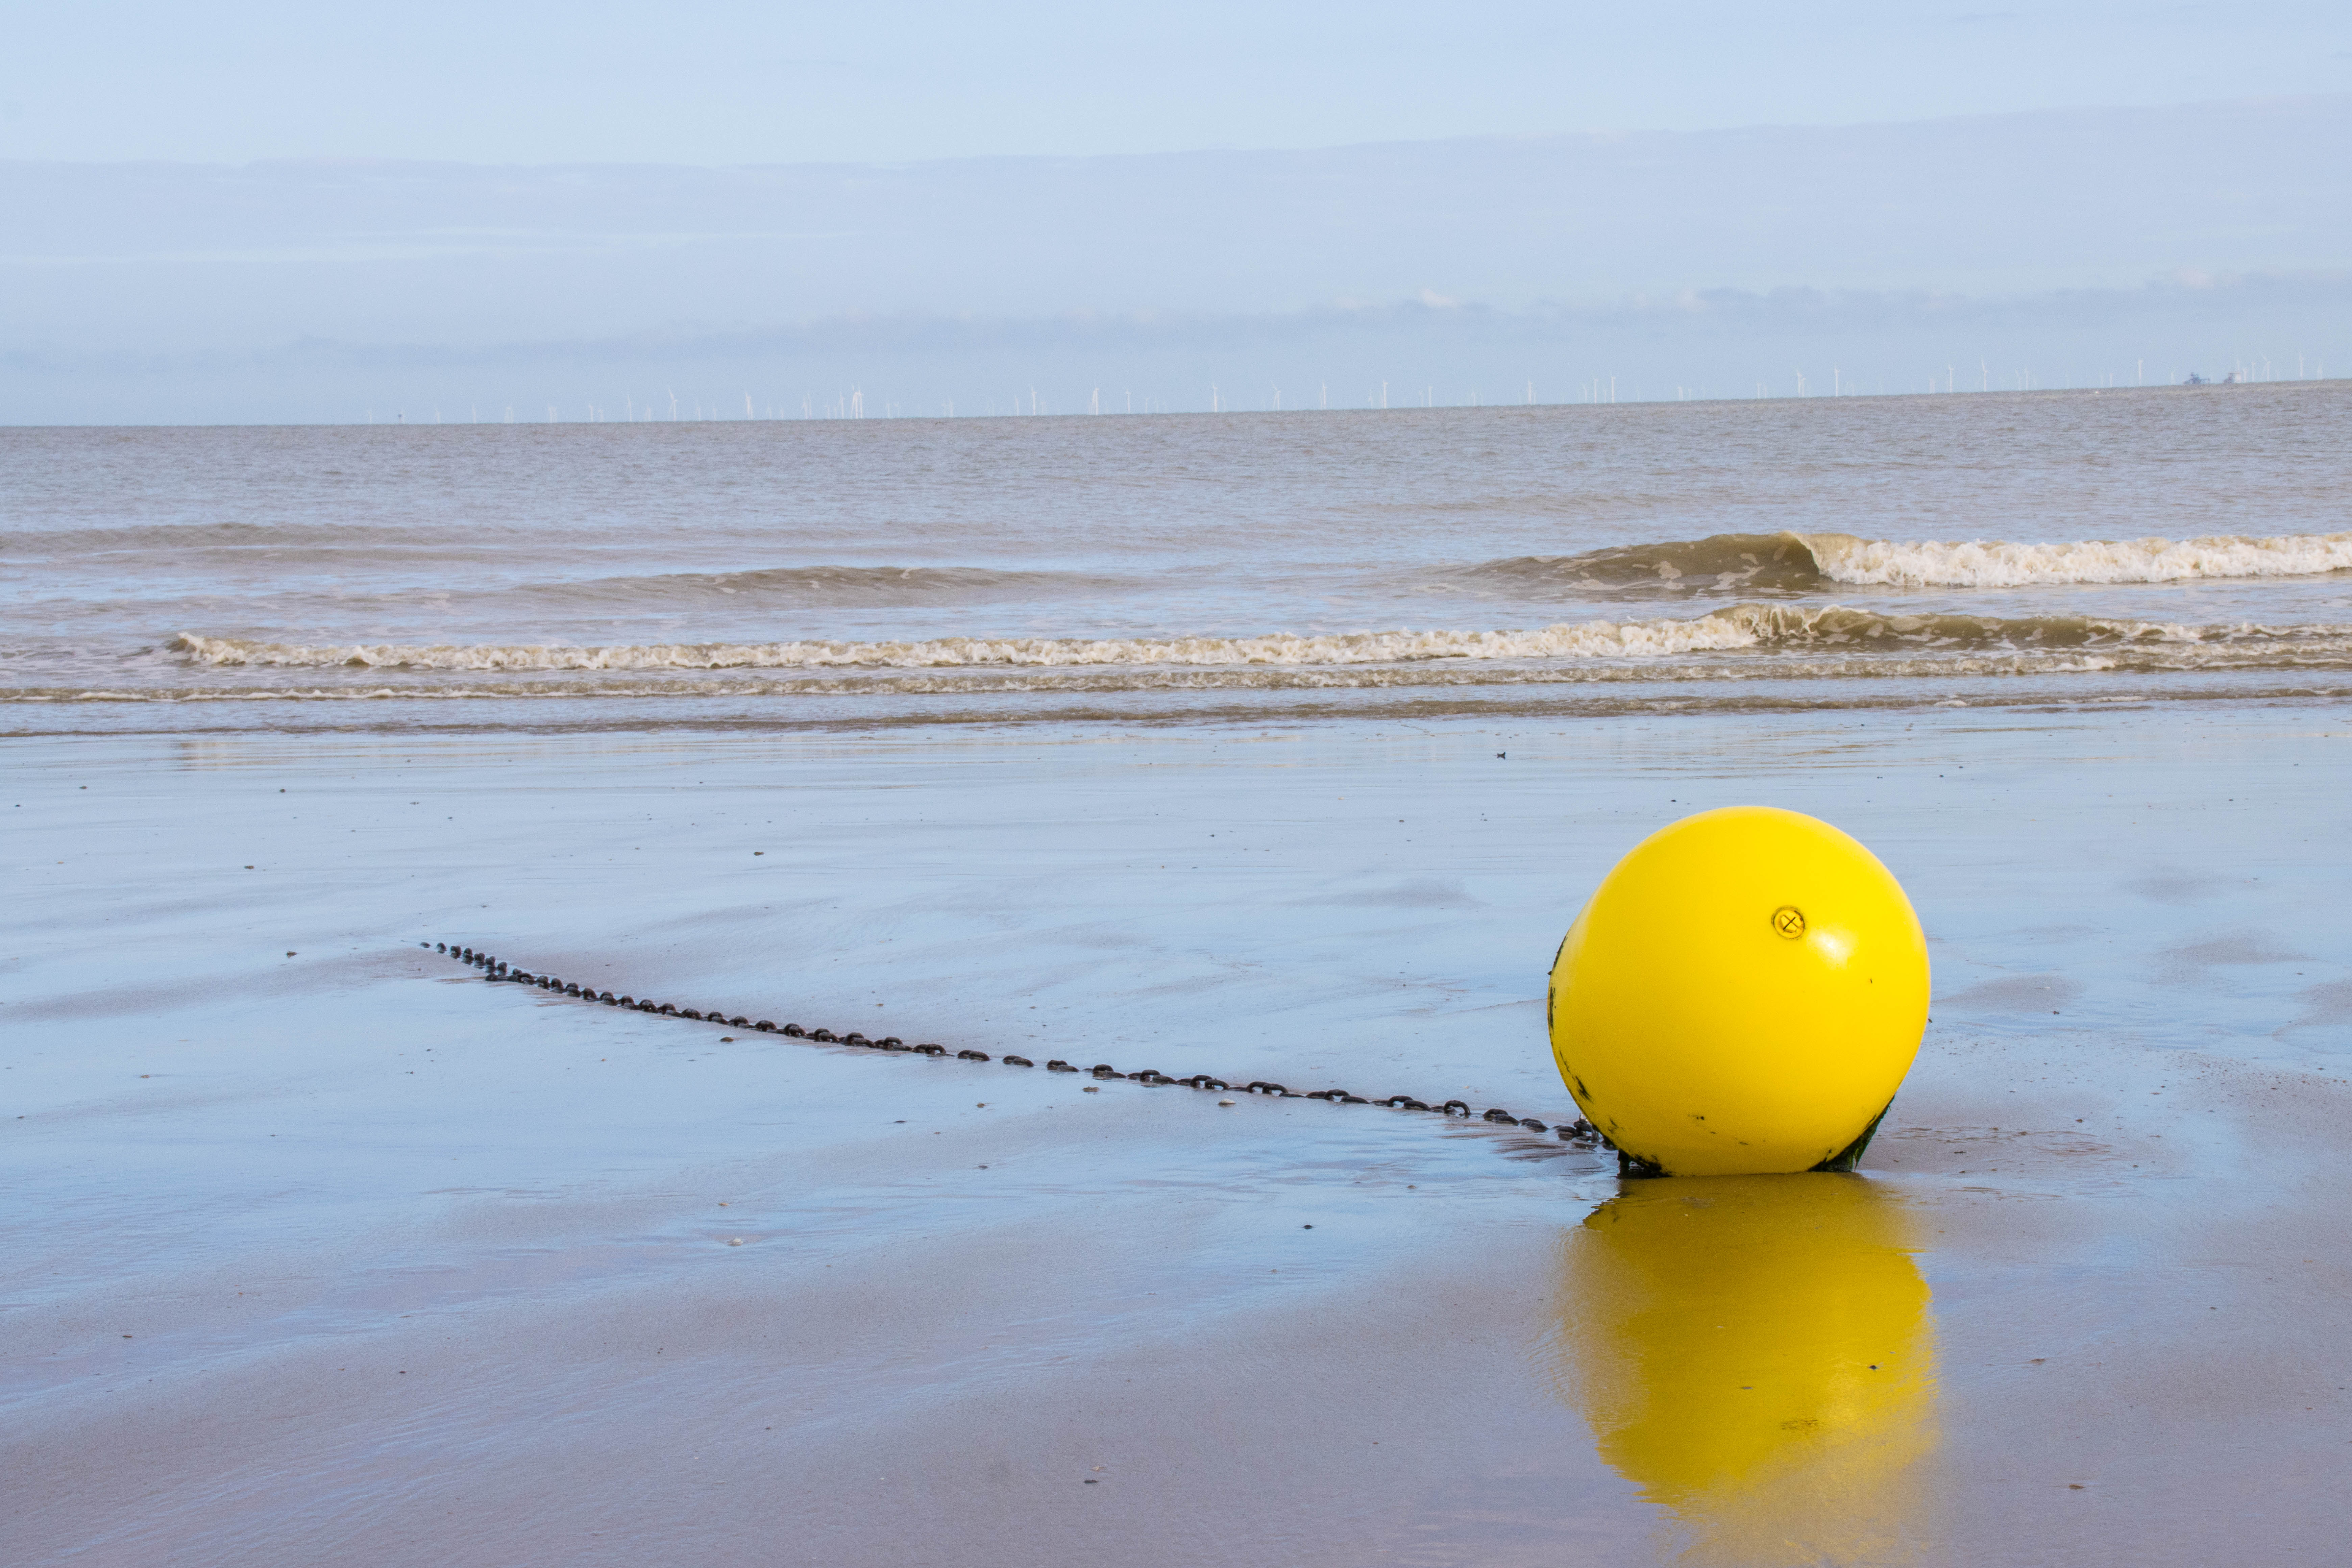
1579	1132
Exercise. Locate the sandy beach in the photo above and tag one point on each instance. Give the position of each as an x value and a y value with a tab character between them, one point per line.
1208	786
322	1247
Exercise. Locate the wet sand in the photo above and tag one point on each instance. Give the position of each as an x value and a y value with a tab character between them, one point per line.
320	1247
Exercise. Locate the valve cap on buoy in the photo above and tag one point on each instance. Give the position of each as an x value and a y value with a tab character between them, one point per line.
1742	995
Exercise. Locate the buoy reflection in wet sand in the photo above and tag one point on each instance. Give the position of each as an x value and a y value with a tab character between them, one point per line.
1757	1356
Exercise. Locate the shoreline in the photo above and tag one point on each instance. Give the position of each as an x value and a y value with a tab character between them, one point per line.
283	713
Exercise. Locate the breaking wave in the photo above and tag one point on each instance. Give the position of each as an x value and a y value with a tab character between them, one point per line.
1595	639
1784	564
1742	628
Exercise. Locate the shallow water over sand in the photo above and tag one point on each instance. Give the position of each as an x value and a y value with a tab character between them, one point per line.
416	1267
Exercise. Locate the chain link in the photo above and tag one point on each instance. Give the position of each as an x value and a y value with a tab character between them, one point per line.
1579	1132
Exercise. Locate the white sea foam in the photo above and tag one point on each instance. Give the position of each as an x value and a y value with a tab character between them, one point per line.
1595	639
1836	667
1785	641
1991	564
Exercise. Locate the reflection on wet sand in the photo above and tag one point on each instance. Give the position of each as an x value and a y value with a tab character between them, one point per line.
1756	1354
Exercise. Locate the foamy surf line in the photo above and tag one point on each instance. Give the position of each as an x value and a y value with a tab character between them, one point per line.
1601	639
1736	629
1829	674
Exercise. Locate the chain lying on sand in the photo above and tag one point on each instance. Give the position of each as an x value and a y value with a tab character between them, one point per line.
1579	1132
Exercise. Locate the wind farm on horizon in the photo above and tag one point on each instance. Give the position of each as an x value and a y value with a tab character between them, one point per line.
851	402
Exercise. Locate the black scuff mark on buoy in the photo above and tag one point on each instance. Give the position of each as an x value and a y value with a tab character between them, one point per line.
1847	1158
1551	979
1632	1167
1583	1098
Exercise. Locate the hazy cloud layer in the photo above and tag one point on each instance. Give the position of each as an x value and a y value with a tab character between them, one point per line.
1715	344
2072	245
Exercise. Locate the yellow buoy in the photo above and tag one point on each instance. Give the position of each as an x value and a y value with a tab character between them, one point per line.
1742	995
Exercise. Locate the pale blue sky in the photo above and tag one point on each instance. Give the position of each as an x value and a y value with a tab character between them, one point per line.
2079	247
270	211
730	82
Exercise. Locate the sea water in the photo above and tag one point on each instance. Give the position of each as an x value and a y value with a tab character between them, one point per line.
2159	544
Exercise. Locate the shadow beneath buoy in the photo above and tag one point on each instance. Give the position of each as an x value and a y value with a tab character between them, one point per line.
1756	1354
